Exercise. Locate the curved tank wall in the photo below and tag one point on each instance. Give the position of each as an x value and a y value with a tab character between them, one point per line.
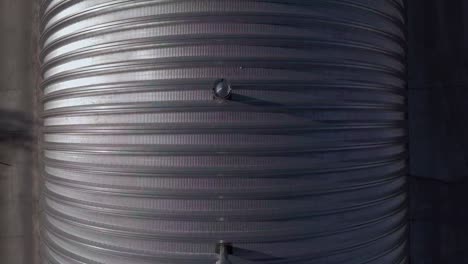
275	126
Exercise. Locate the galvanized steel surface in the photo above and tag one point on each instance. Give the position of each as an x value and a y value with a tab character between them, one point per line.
301	161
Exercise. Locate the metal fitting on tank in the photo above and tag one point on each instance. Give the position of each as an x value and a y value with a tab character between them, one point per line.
222	90
223	250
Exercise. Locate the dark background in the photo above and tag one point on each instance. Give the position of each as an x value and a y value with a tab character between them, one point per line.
438	126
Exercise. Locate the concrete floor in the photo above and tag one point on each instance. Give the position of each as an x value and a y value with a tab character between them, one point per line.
18	195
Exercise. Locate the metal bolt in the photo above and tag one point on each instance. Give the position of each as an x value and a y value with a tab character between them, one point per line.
222	89
224	250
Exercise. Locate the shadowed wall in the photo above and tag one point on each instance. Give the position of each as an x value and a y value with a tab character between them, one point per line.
17	148
438	120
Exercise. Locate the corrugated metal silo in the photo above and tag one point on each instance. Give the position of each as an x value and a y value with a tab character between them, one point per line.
276	126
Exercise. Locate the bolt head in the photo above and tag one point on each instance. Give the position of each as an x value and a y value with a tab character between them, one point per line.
222	89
